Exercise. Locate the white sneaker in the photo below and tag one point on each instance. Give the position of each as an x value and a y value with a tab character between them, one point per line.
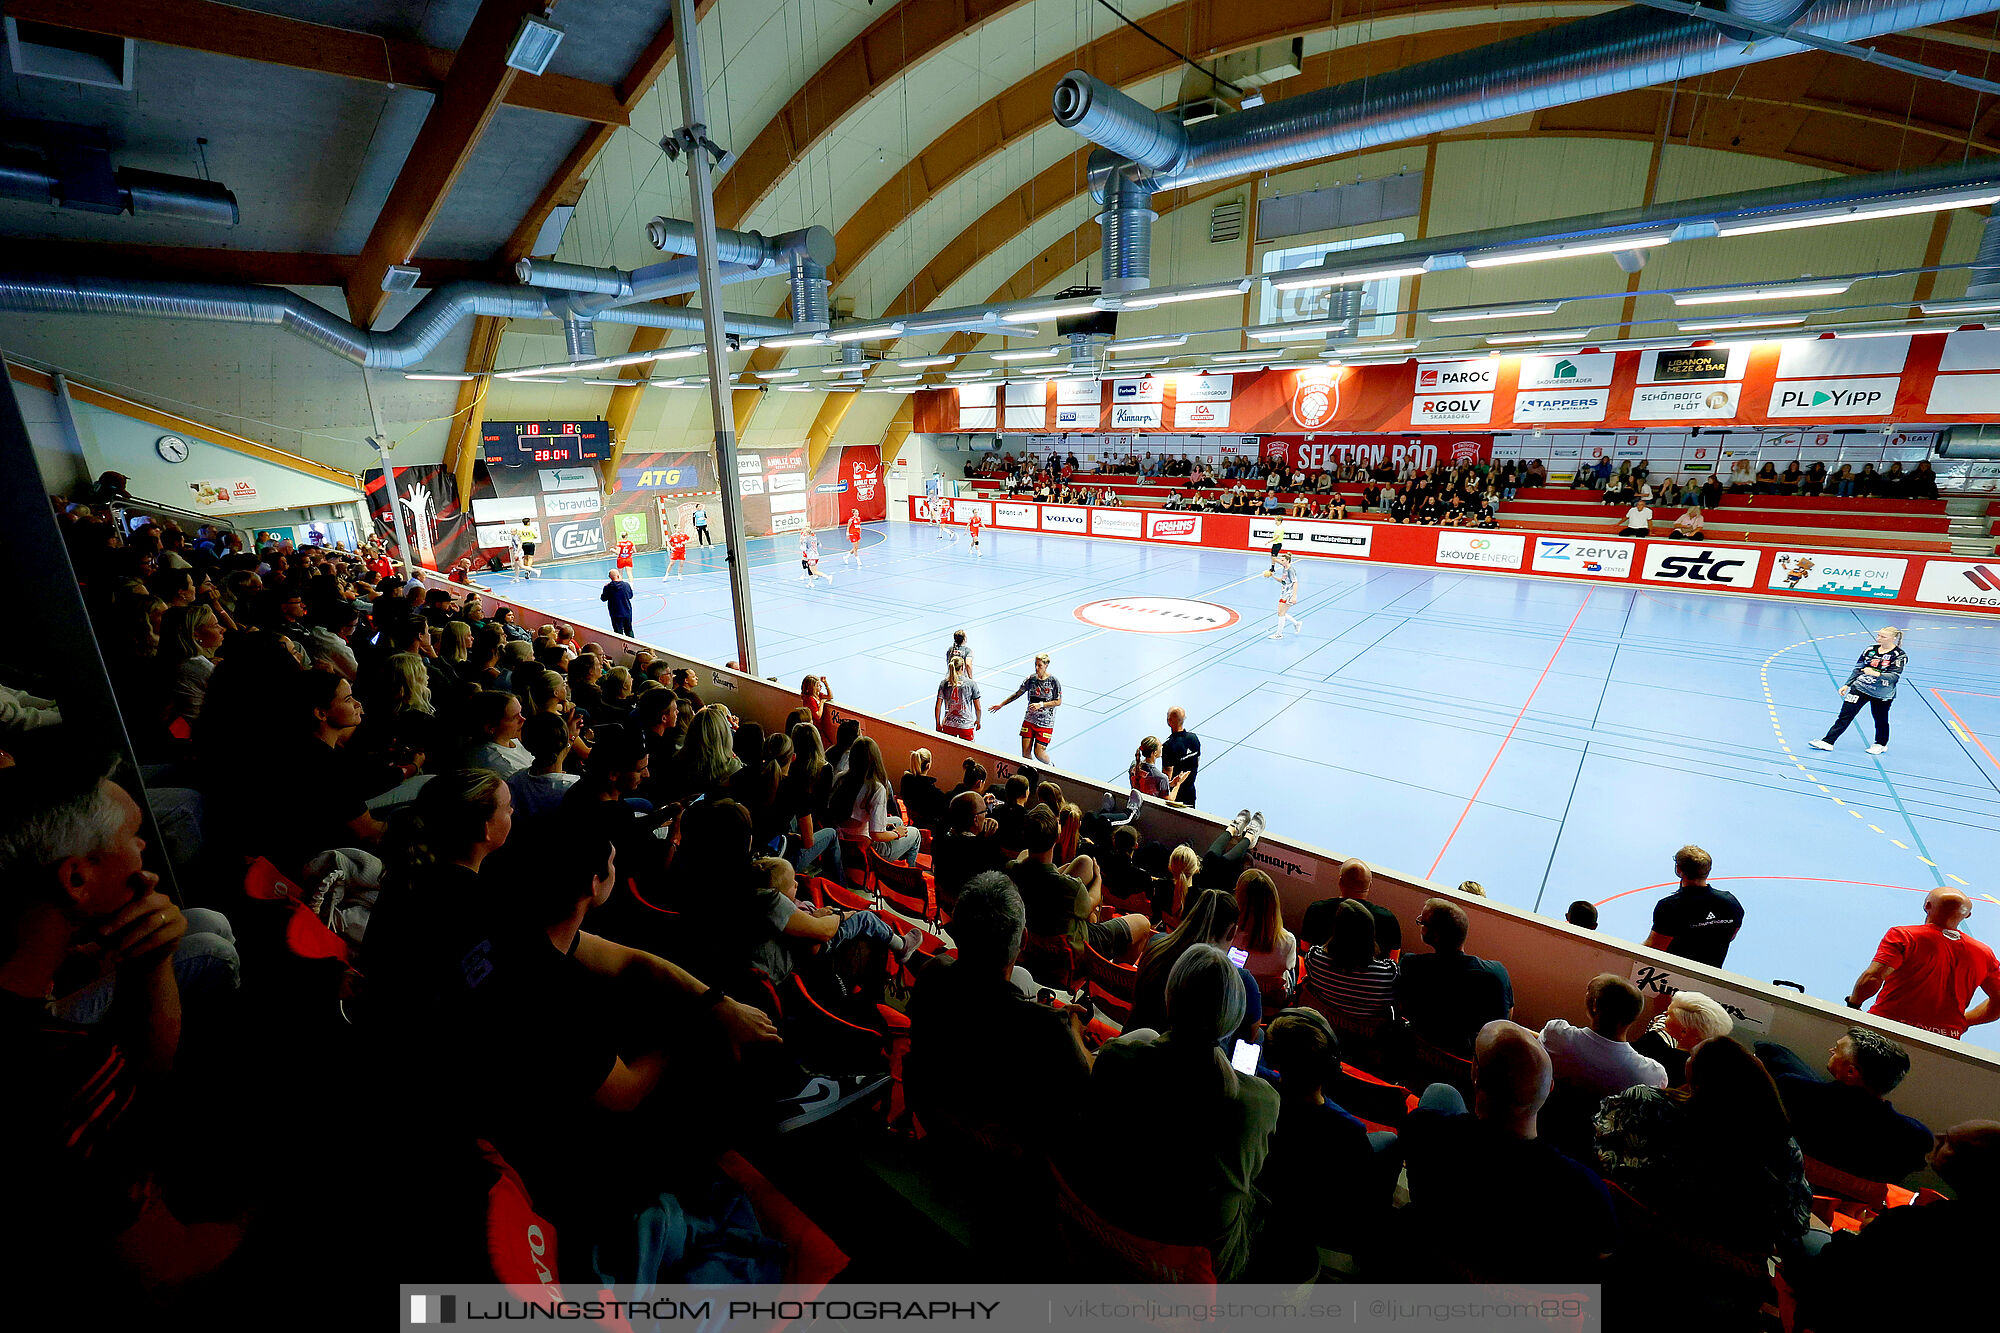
1821	745
1279	635
1877	749
1238	824
1255	828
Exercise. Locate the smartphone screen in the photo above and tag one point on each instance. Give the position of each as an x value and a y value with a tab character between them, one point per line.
1244	1057
1239	956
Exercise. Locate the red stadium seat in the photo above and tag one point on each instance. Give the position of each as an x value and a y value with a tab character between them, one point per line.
1106	1250
905	888
1111	984
521	1243
1049	959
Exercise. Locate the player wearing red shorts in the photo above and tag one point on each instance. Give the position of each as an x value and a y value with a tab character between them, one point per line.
853	538
1044	697
625	550
973	525
677	564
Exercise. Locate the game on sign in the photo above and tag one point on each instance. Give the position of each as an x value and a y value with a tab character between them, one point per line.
1156	615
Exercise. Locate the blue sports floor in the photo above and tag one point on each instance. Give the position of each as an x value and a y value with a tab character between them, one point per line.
1552	740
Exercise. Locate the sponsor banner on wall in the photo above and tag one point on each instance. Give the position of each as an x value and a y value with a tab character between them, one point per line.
1201	415
748	463
1079	393
1135	416
1063	518
790	520
1814	357
1955	394
1960	583
1571	555
1145	390
963	510
979	418
1312	535
750	485
781	483
568	478
1731	567
1458	409
501	509
1115	522
490	537
978	395
1084	417
571	504
1007	514
1033	416
222	493
1562	405
1834	399
1976	349
633	527
785	504
1204	388
1027	395
1483	550
1173	527
1846	575
1693	364
1480	375
581	537
1581	370
1684	402
676	478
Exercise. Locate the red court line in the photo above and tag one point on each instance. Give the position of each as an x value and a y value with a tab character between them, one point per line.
1939	696
1546	668
1766	879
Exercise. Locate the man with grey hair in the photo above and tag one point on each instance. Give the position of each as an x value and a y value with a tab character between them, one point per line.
1689	1019
79	1171
1846	1119
985	1059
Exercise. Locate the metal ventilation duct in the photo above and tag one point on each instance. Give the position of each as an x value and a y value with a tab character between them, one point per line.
1614	52
406	345
93	186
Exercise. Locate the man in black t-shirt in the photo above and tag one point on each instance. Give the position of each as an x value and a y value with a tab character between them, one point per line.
1695	921
1354	880
1181	755
1448	995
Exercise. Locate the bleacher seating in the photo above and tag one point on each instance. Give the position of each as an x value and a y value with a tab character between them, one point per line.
1826	521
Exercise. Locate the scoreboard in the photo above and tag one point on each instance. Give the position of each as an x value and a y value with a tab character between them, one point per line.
526	443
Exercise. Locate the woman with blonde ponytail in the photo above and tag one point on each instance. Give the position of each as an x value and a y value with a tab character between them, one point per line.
431	886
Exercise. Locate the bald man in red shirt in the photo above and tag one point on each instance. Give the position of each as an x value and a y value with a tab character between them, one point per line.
1927	975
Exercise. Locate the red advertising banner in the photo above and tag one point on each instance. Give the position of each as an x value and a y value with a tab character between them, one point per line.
1313	453
1798	383
861	469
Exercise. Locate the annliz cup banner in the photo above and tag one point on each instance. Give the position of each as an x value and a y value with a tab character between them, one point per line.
1793	383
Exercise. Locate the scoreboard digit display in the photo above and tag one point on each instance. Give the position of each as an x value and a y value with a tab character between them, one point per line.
527	443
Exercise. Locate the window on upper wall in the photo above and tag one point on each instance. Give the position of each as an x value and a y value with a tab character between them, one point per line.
1384	294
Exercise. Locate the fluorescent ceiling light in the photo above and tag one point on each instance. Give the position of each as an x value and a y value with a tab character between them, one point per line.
914	362
795	388
1517	310
677	353
1384	347
1147	344
1028	354
1244	356
437	375
1903	332
1318	328
1048	312
1857	214
1546	336
1740	322
869	334
1150	361
1533	254
807	340
1782	291
1346	277
841	386
1049	370
616	384
899	379
533	379
1147	300
966	374
897	391
776	374
1963	306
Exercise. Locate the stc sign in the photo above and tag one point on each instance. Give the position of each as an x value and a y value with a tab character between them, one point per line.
1724	566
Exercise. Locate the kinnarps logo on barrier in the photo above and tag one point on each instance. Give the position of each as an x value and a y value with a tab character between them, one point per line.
1604	560
1951	583
1842	575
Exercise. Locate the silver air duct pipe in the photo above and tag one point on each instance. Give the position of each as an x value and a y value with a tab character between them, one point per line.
1127	227
579	338
809	288
149	194
690	317
752	248
406	345
1614	52
572	277
1984	278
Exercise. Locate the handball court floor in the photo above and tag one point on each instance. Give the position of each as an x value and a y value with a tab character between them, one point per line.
1553	740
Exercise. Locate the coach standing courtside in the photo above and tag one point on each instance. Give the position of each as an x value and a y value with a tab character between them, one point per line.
1181	755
